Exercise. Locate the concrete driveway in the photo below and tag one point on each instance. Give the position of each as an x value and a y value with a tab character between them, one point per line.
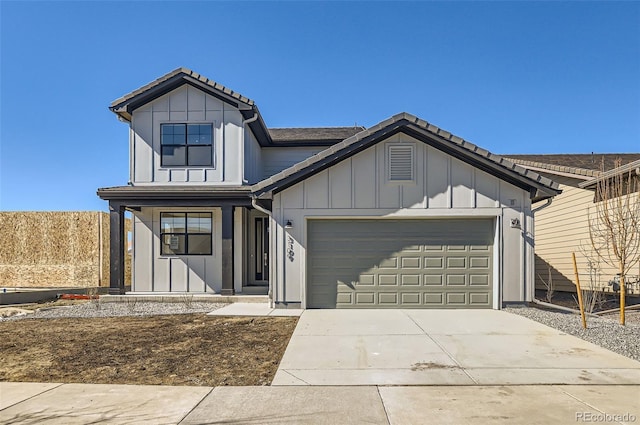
442	347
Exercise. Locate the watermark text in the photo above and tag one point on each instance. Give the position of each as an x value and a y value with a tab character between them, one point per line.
604	417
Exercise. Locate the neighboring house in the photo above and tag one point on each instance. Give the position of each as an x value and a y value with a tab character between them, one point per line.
563	227
402	214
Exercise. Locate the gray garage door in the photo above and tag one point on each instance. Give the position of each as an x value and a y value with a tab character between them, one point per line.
399	263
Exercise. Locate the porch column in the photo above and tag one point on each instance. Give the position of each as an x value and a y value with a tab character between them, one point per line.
227	250
116	248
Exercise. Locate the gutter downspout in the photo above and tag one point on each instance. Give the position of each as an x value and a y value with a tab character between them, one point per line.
254	204
273	270
244	141
545	205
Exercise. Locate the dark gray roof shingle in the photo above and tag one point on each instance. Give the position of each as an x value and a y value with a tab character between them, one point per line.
187	72
313	134
580	164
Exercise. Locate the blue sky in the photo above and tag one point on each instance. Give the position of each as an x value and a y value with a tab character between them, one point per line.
512	77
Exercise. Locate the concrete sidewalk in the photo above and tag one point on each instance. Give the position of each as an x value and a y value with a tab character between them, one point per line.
254	309
33	403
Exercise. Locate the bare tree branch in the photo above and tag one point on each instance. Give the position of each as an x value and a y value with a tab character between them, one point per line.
614	228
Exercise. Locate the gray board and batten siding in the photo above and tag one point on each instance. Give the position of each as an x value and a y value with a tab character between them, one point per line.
443	189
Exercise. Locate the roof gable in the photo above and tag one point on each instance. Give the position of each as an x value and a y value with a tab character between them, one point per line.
539	187
125	105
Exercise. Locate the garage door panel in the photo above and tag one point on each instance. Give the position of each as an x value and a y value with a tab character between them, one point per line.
433	248
454	248
456	262
399	263
433	299
410	262
388	280
479	262
388	263
479	298
410	298
433	262
367	280
413	248
479	280
456	298
456	280
388	298
433	280
365	298
344	298
485	248
410	280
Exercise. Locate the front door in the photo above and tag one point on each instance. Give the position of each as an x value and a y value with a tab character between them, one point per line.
261	232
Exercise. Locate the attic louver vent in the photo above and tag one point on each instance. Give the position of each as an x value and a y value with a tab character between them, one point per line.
400	163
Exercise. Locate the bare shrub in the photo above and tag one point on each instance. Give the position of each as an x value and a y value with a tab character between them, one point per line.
94	298
548	284
187	300
132	304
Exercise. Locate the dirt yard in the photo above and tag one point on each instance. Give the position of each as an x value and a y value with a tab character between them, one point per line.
189	349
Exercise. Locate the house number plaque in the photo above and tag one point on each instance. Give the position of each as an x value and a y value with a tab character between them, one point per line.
290	253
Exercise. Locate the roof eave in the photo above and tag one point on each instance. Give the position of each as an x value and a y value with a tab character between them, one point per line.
182	192
632	167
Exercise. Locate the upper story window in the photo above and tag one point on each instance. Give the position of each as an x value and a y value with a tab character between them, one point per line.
186	144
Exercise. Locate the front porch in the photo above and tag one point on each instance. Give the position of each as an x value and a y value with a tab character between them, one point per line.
230	252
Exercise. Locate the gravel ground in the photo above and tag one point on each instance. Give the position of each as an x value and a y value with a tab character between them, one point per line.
603	331
94	309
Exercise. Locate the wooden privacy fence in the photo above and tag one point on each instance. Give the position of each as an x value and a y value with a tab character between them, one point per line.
56	249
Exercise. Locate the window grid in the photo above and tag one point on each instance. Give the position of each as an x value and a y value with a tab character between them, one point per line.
186	144
184	233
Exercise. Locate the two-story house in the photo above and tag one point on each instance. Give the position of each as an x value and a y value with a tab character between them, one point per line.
402	214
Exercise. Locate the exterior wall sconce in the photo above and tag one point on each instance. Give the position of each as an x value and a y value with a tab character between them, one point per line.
515	223
288	224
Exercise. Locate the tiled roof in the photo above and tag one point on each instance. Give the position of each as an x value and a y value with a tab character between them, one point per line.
581	164
313	134
400	121
187	72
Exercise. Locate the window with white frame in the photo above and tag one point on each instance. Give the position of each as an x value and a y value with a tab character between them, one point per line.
186	144
401	162
185	233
